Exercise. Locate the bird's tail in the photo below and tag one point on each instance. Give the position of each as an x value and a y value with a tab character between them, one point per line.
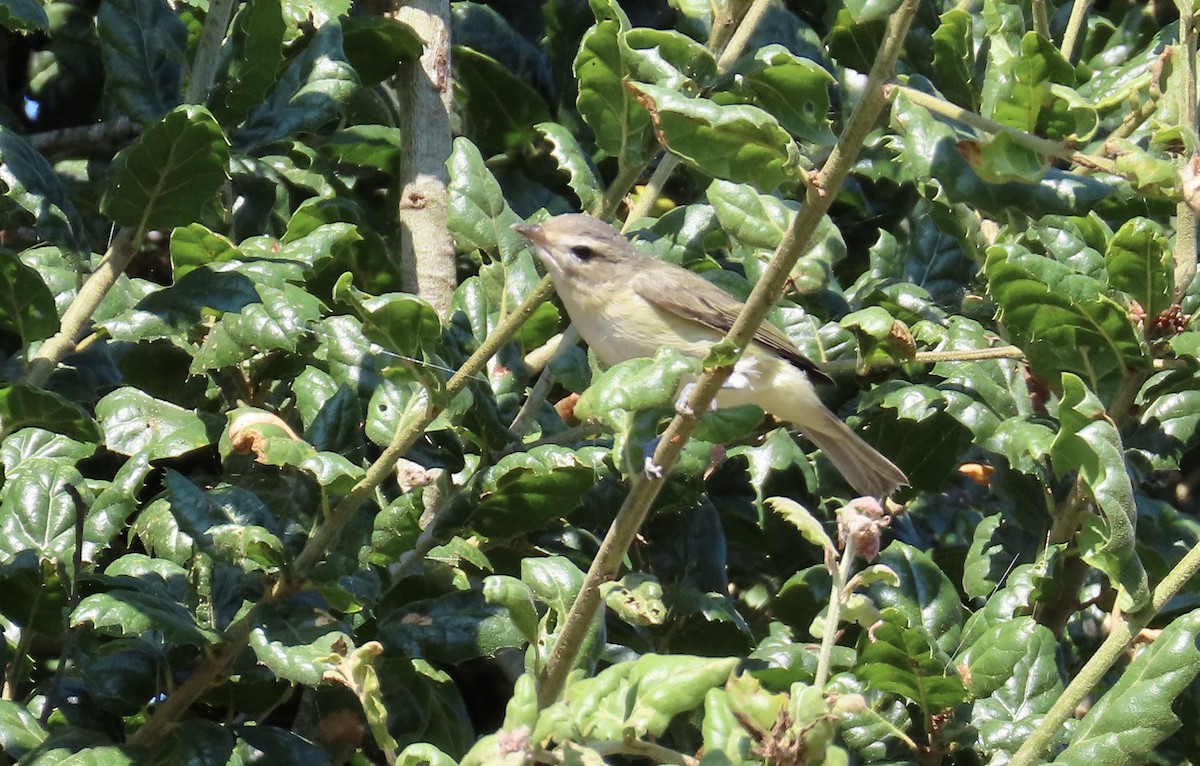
869	472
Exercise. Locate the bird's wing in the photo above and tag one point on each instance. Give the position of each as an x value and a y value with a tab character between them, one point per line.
694	298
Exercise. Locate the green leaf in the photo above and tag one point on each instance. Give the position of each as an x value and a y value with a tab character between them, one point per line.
603	65
135	423
1014	678
401	323
1018	91
178	311
738	143
517	598
525	490
480	218
142	44
23	16
299	644
452	628
195	245
1136	713
20	731
1139	263
24	406
1088	442
36	511
553	580
376	45
582	175
1063	320
794	90
171	174
281	320
309	95
925	594
30	182
132	613
897	658
954	58
230	523
256	54
499	109
639	696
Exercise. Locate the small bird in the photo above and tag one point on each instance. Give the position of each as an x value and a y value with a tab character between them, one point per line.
626	305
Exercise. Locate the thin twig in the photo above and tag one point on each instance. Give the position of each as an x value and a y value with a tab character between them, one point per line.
1039	145
837	597
208	51
1075	26
1184	86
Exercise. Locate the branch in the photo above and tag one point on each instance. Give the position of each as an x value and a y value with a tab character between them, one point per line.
423	87
1123	631
1034	143
645	488
208	51
75	319
1184	85
1075	25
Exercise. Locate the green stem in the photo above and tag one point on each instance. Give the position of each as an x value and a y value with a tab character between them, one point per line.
837	597
1039	145
1124	629
1041	22
627	175
818	199
1184	85
208	51
1075	25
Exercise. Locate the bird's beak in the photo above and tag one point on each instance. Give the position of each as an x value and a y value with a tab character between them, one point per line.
533	233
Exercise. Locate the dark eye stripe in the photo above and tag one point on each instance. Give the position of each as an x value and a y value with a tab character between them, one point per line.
583	252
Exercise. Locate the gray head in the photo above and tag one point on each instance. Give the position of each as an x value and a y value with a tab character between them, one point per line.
579	246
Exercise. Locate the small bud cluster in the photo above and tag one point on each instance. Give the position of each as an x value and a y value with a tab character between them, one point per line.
1171	321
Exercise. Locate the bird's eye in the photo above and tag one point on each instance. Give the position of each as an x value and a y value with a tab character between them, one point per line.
582	252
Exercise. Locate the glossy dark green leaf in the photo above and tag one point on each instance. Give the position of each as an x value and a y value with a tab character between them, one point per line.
1088	442
299	644
670	59
256	54
1014	678
928	598
229	522
525	490
737	143
176	311
1136	713
280	321
143	44
480	219
24	406
499	108
1062	319
24	16
1139	263
794	90
452	628
603	65
399	322
20	731
114	505
134	423
582	176
129	613
171	174
930	149
899	659
376	45
1019	87
310	94
36	511
31	183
